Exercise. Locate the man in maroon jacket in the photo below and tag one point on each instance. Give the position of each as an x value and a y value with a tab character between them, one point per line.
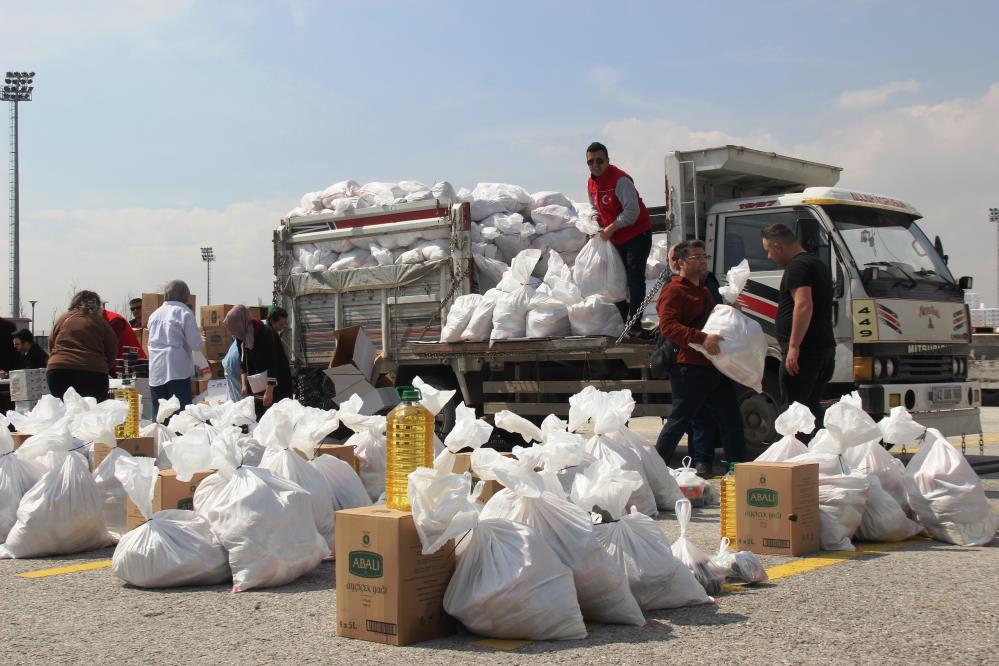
624	220
702	397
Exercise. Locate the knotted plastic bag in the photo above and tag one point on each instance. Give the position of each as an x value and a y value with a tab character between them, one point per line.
601	587
883	519
507	420
599	271
348	491
369	442
654	470
842	499
796	418
849	424
468	433
61	514
508	583
693	487
742	352
16	478
172	548
190	453
263	521
736	280
947	496
742	565
709	575
458	316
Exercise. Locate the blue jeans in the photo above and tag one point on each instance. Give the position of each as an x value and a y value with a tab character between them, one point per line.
177	387
703	400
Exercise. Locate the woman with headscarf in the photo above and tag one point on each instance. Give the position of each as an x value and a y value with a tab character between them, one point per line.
83	348
173	337
260	351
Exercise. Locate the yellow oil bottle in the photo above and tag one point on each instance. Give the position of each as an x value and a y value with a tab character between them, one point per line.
128	394
410	445
728	502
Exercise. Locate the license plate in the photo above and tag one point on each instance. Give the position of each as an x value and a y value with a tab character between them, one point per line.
947	394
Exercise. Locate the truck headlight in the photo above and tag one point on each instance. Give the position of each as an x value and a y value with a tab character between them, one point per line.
956	366
878	367
890	367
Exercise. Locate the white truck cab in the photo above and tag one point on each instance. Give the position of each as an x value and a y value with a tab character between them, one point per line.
902	329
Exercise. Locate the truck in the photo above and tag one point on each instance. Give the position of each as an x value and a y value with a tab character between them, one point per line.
902	329
901	326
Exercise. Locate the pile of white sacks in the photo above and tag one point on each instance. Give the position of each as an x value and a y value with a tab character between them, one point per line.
866	494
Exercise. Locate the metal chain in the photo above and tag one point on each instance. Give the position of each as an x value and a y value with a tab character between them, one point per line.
652	293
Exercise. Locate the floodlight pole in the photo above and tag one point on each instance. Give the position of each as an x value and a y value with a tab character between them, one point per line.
208	256
994	218
17	88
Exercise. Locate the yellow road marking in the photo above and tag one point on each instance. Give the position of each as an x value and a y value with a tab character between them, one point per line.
501	644
58	571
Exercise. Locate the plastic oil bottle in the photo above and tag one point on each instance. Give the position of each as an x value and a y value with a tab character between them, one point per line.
728	502
410	445
128	394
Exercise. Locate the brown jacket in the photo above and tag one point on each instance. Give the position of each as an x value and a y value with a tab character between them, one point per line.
82	342
683	305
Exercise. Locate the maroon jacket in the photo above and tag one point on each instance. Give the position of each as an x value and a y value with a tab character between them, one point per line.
682	304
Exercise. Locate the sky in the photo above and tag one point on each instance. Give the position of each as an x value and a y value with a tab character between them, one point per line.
160	126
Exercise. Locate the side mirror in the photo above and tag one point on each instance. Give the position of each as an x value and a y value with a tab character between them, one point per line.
966	282
938	246
839	288
870	274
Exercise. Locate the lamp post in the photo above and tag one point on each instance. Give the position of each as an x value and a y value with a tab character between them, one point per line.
17	88
994	218
208	256
32	316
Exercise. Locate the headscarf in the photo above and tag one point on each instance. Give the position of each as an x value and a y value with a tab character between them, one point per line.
240	325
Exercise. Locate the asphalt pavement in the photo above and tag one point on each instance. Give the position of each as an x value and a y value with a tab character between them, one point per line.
916	602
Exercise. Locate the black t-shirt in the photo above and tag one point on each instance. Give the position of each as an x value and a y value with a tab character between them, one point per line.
806	270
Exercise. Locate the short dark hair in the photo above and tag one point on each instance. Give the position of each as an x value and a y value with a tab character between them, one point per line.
684	247
597	147
780	233
24	335
277	314
134	302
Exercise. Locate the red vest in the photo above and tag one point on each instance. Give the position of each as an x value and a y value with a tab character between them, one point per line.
602	193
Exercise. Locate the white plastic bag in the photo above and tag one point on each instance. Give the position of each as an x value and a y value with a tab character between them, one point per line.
190	453
264	522
947	495
97	426
884	519
115	501
693	487
16	478
491	198
510	313
507	420
547	317
172	548
348	491
743	565
468	433
742	352
61	514
872	459
842	498
480	324
736	280
371	447
508	582
595	315
554	216
899	428
654	470
599	271
709	575
601	587
458	316
796	418
849	424
548	198
488	272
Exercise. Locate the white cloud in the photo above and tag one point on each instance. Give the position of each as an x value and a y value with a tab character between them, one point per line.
871	98
122	252
607	81
38	30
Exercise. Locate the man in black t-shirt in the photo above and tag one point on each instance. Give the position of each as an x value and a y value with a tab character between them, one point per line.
804	319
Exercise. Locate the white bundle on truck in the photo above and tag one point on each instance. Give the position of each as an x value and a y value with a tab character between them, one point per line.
510	313
491	198
599	270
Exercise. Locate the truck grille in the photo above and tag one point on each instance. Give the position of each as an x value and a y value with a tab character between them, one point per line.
924	369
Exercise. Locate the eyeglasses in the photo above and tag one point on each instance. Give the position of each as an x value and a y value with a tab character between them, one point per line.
595	160
698	257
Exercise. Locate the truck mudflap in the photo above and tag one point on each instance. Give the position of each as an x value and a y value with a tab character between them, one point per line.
951	407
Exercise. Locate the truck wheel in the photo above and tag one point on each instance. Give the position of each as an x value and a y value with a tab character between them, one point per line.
760	410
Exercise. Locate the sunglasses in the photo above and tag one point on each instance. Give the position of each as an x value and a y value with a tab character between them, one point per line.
595	160
698	257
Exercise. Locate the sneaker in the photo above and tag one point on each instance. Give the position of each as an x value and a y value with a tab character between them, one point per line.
703	470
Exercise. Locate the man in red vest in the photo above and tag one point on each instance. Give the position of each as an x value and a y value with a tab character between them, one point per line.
625	223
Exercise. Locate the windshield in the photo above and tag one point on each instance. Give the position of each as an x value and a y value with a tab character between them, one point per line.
890	241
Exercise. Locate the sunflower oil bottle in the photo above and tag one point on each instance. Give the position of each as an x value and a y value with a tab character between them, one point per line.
410	445
728	502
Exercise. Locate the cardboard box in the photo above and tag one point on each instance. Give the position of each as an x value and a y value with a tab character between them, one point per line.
144	340
217	342
168	493
19	438
354	353
152	301
344	452
28	385
463	463
217	371
144	447
387	591
258	311
213	315
777	508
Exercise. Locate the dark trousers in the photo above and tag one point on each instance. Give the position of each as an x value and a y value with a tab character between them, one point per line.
176	387
815	370
634	254
703	400
87	383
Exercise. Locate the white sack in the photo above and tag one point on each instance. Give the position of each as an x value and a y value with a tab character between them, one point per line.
569	239
884	519
600	271
287	464
507	420
480	324
554	216
458	316
743	349
548	198
796	418
16	478
510	313
710	576
735	282
849	424
488	272
595	315
547	317
348	490
491	198
654	470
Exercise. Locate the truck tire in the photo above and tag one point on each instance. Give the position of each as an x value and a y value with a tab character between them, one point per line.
760	410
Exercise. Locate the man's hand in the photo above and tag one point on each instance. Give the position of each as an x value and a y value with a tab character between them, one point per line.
792	361
711	344
246	390
269	396
607	232
3	374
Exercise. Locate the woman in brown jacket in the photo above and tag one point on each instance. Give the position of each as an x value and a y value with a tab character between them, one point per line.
83	349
